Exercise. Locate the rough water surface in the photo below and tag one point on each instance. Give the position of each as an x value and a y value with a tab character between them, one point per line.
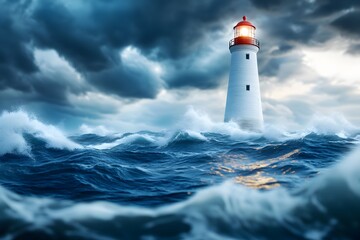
202	181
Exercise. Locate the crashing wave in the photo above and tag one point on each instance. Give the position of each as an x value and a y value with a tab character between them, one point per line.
136	138
13	126
184	137
192	128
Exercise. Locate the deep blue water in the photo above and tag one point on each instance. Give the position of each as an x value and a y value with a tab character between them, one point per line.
180	185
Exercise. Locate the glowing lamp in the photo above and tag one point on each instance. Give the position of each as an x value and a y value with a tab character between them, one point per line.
244	31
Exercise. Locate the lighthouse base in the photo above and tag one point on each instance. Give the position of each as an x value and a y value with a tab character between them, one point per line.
251	125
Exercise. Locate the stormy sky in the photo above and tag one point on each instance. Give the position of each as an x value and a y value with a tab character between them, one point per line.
140	64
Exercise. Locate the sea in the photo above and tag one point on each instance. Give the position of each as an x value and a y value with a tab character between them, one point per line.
198	180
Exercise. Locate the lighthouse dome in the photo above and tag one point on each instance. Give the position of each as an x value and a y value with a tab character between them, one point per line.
244	22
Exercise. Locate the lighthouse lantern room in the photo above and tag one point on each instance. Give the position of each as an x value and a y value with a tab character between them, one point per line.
243	103
244	29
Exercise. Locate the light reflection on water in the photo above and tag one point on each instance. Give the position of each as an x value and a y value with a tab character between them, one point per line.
257	181
251	172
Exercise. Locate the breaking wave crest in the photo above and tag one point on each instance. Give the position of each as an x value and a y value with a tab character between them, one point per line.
153	139
127	139
318	124
326	207
14	125
193	127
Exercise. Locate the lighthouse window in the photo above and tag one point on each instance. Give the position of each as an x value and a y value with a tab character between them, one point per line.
247	87
247	56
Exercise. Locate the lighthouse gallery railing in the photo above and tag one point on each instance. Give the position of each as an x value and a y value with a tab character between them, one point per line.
244	40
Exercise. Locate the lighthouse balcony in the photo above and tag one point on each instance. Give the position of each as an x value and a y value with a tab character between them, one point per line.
244	40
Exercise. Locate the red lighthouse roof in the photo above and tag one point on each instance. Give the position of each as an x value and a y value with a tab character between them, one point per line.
244	23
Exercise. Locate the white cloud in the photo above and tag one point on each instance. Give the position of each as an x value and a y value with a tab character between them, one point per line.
96	102
132	58
50	64
334	65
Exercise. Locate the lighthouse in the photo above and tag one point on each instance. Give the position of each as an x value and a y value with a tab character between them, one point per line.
243	103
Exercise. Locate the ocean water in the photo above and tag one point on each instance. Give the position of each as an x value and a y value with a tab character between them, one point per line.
201	180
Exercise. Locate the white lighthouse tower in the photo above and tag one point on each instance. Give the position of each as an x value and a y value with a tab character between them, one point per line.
243	104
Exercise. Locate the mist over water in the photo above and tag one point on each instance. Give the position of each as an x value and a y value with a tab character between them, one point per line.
200	180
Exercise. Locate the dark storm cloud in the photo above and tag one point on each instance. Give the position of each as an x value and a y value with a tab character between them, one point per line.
348	24
77	39
143	84
294	30
270	66
177	28
163	30
328	7
289	24
201	78
299	20
91	34
15	55
284	28
53	87
281	49
191	73
313	9
18	70
274	5
171	28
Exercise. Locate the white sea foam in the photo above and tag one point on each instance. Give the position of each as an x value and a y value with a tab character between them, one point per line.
98	130
335	124
194	124
159	141
14	124
197	121
126	140
200	122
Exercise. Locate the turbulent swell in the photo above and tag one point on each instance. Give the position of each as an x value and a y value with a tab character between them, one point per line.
224	211
205	180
